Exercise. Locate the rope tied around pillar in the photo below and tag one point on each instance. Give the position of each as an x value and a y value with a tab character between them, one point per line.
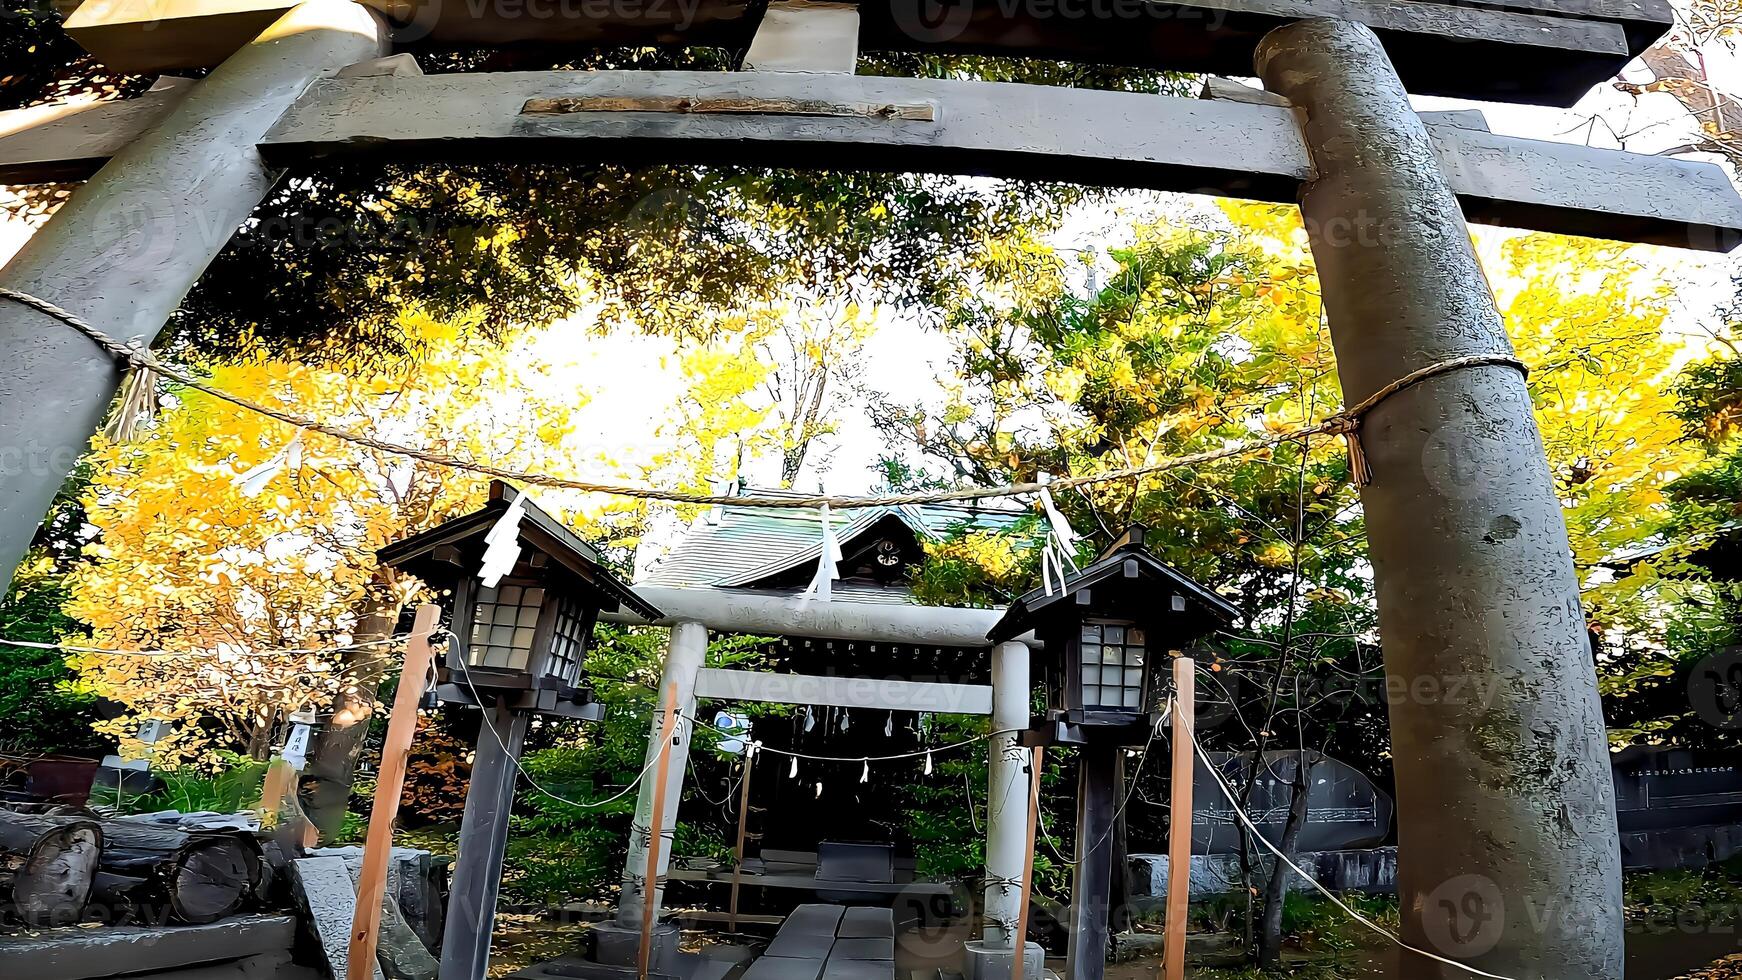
1346	423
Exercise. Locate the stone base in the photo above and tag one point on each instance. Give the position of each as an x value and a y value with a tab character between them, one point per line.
980	962
616	944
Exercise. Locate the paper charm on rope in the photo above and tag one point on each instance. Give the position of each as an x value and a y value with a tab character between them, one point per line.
503	541
1057	553
295	751
828	564
288	459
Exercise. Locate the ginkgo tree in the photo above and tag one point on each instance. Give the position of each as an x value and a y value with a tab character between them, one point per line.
230	535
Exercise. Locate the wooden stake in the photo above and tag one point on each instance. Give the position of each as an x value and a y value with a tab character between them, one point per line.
1020	940
279	777
743	826
1179	831
656	834
401	727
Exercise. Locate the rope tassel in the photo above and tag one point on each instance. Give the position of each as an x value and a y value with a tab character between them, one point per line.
1349	427
136	406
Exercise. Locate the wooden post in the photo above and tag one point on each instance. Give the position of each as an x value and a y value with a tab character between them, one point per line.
1019	942
279	777
656	832
477	873
1098	794
401	727
1179	829
743	827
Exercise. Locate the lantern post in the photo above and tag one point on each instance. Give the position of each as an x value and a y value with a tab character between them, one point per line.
1106	633
524	593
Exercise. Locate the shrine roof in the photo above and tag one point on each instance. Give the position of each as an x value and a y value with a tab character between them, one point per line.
761	549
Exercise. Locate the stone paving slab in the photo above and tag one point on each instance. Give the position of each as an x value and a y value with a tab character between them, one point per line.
785	968
814	917
869	923
876	948
859	970
802	944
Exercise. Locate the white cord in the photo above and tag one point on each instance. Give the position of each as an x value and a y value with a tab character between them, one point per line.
664	745
1311	880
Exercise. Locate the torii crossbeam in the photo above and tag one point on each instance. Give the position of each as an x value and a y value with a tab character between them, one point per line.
1506	803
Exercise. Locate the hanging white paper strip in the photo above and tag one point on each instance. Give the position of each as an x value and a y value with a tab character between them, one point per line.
295	751
1057	554
828	564
503	544
251	483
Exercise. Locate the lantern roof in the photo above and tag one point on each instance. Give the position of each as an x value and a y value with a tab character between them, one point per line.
431	553
1125	558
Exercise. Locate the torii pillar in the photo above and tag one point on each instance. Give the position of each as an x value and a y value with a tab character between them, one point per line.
617	942
1508	859
132	241
992	956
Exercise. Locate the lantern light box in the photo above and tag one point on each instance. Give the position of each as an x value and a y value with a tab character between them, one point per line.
1108	636
525	638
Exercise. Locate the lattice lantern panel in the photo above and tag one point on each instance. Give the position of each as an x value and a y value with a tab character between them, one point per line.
1111	658
504	625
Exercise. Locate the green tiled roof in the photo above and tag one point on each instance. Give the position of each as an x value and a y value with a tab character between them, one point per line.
736	546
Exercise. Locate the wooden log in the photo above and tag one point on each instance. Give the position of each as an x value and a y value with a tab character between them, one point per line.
47	866
183	878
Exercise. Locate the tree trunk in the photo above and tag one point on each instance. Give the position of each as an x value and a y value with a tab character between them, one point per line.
326	784
47	866
260	736
1276	889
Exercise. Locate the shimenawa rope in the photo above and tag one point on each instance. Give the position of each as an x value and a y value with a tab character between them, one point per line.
1346	423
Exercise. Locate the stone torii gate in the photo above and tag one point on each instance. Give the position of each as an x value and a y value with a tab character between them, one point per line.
1506	805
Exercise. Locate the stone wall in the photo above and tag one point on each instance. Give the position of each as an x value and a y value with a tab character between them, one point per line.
1371	871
